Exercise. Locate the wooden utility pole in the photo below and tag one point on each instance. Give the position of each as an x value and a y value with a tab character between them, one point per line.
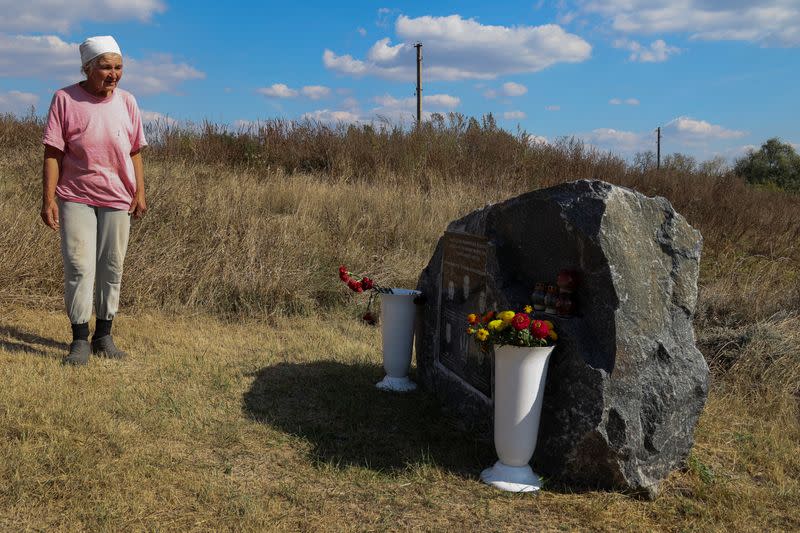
418	46
658	148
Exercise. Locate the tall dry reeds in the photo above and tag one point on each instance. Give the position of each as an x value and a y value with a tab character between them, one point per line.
253	221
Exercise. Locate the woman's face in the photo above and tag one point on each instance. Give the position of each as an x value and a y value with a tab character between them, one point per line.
103	78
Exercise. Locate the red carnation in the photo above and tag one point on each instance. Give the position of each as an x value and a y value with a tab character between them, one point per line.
355	285
367	284
540	329
521	321
343	274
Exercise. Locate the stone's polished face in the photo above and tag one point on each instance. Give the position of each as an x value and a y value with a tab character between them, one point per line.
464	283
626	383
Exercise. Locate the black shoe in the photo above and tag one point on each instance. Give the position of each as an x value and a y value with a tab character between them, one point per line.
78	353
105	347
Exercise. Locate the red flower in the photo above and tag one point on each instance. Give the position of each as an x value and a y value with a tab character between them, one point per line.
367	284
521	321
355	285
488	316
540	329
343	275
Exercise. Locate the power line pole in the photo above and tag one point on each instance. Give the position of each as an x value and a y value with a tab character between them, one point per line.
418	46
658	148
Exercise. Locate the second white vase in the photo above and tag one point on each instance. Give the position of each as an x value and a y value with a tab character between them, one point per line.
398	314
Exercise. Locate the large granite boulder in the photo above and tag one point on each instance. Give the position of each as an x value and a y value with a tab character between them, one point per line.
626	382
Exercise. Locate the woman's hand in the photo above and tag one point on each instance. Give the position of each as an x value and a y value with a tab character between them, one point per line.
51	170
50	213
138	206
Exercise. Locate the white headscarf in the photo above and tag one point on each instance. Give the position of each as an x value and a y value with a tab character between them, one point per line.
95	46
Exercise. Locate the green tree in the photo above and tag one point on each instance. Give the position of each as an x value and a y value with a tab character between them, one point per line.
775	164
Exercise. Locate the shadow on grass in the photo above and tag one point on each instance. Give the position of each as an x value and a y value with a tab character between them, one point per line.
23	341
337	408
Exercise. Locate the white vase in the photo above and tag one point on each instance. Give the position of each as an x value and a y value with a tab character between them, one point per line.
398	314
519	377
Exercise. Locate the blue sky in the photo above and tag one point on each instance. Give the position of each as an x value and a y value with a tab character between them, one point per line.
718	76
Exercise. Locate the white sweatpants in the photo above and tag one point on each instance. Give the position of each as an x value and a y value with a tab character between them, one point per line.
93	245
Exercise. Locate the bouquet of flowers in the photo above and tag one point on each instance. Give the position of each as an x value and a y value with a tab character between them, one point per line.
361	284
509	327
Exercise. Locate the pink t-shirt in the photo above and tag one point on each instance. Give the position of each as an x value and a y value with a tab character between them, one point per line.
97	136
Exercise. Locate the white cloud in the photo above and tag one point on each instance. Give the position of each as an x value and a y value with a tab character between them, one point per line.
552	108
433	100
362	32
657	52
315	92
157	74
403	110
442	100
617	141
514	89
490	93
740	151
384	16
350	104
383	52
344	64
627	101
326	115
537	139
40	56
277	90
50	58
457	48
681	131
154	117
49	16
689	130
514	115
768	22
17	102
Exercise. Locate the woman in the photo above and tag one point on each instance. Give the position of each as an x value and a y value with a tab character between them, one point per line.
93	181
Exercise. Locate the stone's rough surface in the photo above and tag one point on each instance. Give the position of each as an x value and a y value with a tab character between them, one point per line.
626	383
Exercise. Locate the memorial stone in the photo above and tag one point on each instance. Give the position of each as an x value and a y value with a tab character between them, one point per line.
626	383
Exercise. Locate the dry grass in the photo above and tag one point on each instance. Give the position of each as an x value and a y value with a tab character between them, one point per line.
248	403
276	426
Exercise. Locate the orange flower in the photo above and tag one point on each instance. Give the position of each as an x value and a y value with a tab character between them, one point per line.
472	318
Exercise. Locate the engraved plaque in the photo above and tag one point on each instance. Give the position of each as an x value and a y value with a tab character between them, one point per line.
463	291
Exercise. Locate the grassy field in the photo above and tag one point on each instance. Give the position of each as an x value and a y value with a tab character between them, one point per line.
277	426
248	400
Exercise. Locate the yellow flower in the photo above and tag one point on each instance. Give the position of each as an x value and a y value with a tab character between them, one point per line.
497	325
470	331
482	334
528	309
553	335
506	316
